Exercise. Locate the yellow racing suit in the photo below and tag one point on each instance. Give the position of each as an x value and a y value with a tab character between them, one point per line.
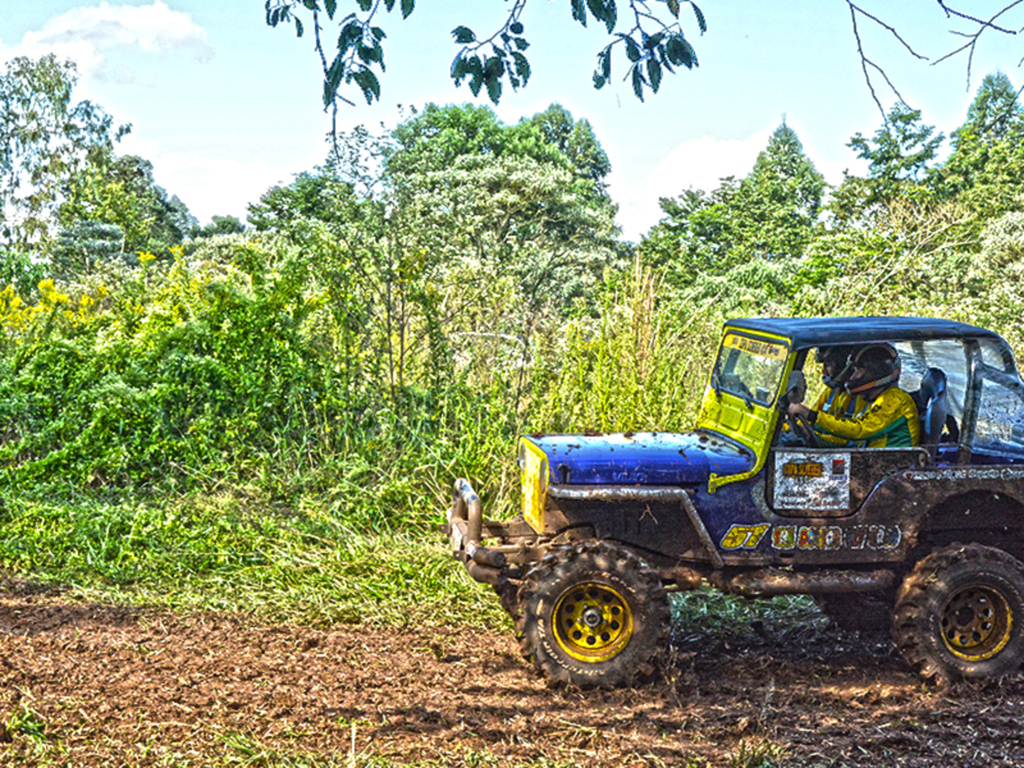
838	403
889	421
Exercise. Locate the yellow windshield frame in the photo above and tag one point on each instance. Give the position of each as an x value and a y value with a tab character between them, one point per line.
748	421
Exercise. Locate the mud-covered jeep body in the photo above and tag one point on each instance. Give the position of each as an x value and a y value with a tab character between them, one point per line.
928	539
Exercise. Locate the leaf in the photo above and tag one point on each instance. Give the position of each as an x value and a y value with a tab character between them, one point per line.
652	42
579	13
368	83
364	5
611	16
700	20
654	73
330	6
336	71
691	55
605	57
599	81
681	52
464	35
494	90
673	6
389	4
407	7
632	51
378	33
310	4
638	83
458	69
298	27
522	66
516	28
350	33
328	94
494	68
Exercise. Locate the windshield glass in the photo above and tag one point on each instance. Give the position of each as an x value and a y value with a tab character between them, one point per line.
750	368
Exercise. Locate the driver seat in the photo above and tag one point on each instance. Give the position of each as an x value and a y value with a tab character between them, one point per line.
932	409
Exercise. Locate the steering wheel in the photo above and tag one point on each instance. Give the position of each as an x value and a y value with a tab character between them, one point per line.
802	428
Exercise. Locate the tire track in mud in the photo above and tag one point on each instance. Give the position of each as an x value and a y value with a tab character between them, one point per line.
96	685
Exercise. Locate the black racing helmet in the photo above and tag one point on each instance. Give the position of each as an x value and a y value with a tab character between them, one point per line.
874	365
836	359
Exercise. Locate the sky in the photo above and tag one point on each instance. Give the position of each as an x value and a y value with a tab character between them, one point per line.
226	107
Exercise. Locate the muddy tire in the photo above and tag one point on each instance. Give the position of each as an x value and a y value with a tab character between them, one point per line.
959	614
594	615
860	611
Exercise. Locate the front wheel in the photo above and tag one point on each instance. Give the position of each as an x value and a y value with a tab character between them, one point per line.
959	614
594	615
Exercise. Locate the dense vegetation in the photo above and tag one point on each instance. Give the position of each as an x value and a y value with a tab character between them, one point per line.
271	415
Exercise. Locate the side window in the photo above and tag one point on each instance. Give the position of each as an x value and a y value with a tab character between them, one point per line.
997	355
949	356
1000	418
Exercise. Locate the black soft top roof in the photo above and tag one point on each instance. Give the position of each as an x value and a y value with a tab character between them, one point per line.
823	331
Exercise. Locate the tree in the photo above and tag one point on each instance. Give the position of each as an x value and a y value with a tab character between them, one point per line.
770	214
780	198
575	140
83	245
899	152
319	195
986	167
121	191
45	140
222	225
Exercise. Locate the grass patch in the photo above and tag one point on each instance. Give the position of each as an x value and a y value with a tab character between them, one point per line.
707	610
198	553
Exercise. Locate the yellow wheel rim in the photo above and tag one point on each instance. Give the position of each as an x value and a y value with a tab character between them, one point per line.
976	623
592	622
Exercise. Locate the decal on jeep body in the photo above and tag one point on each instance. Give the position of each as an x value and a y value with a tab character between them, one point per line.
812	480
744	536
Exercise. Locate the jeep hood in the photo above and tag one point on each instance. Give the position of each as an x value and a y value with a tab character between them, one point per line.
641	458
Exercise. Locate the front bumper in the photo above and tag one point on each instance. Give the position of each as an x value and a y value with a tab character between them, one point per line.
517	545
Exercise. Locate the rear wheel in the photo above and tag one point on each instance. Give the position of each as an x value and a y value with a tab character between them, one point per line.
593	615
959	614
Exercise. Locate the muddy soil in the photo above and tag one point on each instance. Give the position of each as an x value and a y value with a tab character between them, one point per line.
90	685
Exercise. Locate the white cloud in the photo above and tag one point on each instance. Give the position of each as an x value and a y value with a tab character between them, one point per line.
86	34
699	163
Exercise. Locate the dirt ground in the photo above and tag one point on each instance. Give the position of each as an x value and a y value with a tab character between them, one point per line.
89	685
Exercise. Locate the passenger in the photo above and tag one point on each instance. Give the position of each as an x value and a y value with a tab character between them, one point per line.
884	415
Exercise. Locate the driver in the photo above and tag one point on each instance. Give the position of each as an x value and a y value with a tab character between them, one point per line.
835	370
884	416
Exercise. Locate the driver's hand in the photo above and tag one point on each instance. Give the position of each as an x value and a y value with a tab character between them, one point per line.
799	409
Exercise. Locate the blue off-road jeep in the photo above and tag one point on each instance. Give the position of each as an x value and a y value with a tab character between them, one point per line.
926	539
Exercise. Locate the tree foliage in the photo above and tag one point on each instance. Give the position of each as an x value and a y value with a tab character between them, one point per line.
899	152
770	214
651	38
120	191
45	140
